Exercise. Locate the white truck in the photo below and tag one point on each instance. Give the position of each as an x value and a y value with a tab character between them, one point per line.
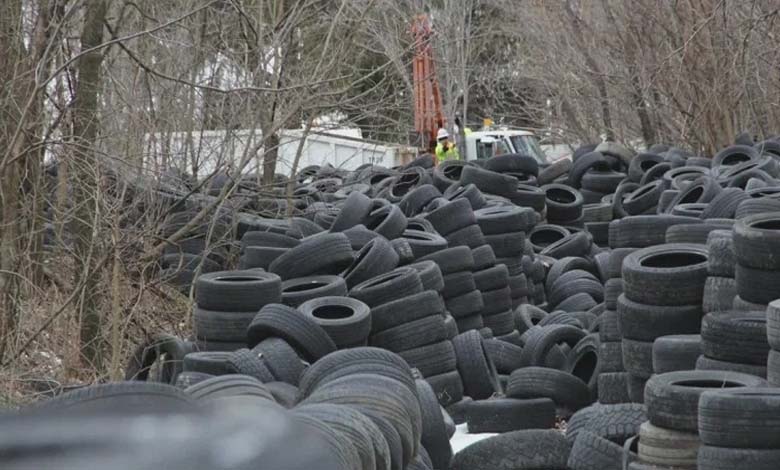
490	142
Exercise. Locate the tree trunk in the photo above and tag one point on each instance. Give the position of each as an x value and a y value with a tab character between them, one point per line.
85	177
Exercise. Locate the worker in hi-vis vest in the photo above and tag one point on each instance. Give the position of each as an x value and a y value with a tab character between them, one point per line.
445	148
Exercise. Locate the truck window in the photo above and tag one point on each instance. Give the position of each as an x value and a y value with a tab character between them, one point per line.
527	144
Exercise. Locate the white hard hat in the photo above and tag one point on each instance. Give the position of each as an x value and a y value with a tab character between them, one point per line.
442	134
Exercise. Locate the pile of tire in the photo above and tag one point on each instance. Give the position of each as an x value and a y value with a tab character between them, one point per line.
397	303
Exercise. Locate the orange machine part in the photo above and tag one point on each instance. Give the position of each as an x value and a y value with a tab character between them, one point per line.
428	116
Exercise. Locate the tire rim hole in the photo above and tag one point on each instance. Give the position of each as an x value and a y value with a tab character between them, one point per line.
332	312
305	286
673	260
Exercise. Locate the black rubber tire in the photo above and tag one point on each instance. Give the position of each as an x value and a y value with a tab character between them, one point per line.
432	359
616	423
513	163
671	274
566	390
169	350
501	323
231	385
496	301
500	415
353	212
517	450
321	254
364	360
237	291
577	303
564	204
397	404
672	399
468	192
757	286
644	322
584	363
723	458
387	221
430	275
581	165
374	258
706	363
644	198
452	260
495	220
470	322
424	243
720	245
489	181
299	290
756	241
773	324
185	379
740	417
347	321
615	263
667	448
456	284
448	387
640	231
414	334
281	359
414	201
591	452
434	437
245	362
696	233
477	371
505	356
735	337
396	284
469	236
355	427
638	357
484	257
538	345
609	330
725	204
611	356
676	352
506	245
465	305
127	397
305	335
452	216
613	388
575	244
267	239
719	294
495	277
734	154
208	362
405	309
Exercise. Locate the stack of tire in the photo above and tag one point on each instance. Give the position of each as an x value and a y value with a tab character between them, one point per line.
663	288
371	395
773	337
193	253
756	244
721	287
613	380
669	439
733	426
735	341
462	299
227	302
598	434
410	321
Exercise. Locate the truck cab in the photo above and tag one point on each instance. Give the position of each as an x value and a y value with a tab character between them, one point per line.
484	144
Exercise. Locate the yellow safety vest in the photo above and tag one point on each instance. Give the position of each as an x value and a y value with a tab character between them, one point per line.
451	153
